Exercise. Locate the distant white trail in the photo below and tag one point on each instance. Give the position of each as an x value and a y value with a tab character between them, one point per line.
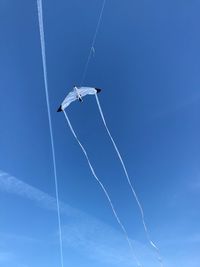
104	190
130	184
41	27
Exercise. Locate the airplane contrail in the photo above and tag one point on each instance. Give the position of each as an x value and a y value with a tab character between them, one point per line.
42	40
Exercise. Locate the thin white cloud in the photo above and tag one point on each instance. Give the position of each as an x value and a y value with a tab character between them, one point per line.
84	233
100	242
11	184
9	259
5	256
14	237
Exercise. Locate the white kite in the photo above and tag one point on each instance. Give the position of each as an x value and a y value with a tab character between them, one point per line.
77	94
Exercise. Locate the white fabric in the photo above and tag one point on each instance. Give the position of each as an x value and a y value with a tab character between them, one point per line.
83	91
76	93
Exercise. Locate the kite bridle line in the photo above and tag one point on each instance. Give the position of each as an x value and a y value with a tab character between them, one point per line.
92	44
41	28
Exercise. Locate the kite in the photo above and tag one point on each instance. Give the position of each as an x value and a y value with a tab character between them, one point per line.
77	94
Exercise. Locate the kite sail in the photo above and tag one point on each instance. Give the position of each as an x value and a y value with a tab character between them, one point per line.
77	94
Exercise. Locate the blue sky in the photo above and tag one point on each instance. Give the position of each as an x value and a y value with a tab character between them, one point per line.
147	63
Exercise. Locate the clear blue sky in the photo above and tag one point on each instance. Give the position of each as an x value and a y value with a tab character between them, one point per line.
147	63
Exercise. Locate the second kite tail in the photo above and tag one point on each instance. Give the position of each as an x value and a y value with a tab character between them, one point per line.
130	184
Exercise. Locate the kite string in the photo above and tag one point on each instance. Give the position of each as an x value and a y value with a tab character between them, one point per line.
129	182
93	43
104	190
41	27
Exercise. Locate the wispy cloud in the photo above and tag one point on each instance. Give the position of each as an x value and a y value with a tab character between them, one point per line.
5	256
100	242
93	238
11	184
16	237
84	233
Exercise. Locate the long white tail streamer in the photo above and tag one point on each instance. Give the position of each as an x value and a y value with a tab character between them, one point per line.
41	27
92	50
129	182
105	192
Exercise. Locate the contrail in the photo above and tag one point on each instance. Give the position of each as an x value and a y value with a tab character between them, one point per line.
130	184
104	190
41	27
